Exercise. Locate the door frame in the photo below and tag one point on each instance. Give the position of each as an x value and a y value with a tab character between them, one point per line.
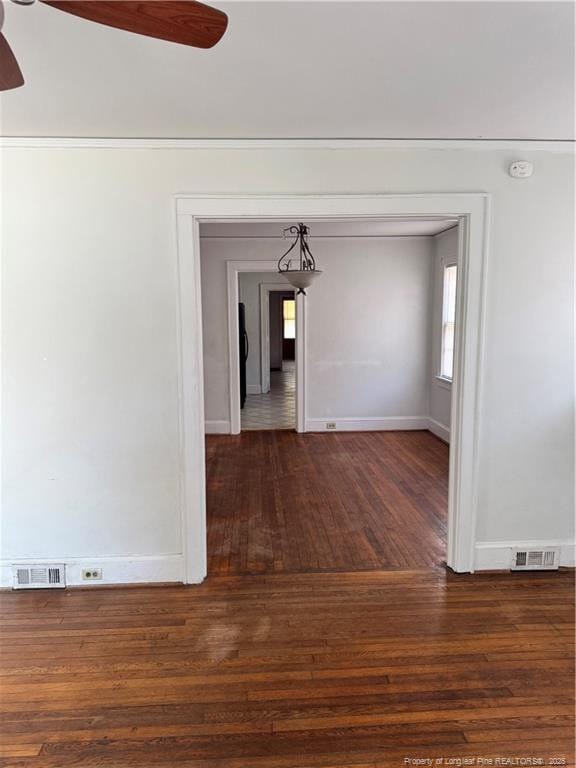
265	290
472	210
233	270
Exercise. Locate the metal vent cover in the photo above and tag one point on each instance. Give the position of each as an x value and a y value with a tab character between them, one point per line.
39	576
535	559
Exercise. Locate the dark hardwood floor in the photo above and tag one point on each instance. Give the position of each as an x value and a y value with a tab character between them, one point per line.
389	656
290	671
279	502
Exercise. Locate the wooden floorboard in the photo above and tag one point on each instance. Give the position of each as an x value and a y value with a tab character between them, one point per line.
327	635
279	502
290	670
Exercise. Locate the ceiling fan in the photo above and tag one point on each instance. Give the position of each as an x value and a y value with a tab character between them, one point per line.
179	21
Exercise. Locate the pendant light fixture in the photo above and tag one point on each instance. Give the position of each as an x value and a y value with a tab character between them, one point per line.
299	273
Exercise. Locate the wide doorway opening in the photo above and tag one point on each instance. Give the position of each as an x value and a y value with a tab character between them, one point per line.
364	483
205	349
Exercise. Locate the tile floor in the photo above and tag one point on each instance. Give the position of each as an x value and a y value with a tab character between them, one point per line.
277	408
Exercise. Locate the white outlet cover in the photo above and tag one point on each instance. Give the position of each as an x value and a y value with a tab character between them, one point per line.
91	574
521	169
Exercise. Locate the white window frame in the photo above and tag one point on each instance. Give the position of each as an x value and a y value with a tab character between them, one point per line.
445	263
284	337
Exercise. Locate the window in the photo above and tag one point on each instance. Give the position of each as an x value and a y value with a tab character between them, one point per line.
288	319
448	318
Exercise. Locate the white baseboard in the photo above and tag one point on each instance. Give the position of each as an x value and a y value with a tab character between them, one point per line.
497	555
217	427
253	389
354	424
136	569
367	424
440	430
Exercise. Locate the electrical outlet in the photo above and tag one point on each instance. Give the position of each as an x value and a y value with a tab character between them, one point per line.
91	574
330	425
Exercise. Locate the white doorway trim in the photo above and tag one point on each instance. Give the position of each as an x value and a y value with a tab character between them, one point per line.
265	290
472	211
233	270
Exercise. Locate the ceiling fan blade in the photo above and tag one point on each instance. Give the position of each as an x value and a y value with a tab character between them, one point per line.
180	21
10	73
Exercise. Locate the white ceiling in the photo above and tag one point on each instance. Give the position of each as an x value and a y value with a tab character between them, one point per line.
340	228
303	70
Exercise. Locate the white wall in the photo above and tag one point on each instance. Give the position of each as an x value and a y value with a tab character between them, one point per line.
367	358
249	293
445	246
91	459
368	338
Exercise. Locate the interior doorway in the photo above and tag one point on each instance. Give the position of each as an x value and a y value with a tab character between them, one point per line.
262	275
373	493
267	358
471	213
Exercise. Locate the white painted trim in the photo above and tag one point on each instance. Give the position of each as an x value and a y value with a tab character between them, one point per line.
448	260
497	555
367	424
440	430
267	207
265	289
274	239
63	142
191	401
467	384
213	427
442	381
264	340
233	269
130	569
253	389
472	211
301	355
233	294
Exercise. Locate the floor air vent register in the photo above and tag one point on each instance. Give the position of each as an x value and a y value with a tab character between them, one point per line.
38	576
535	559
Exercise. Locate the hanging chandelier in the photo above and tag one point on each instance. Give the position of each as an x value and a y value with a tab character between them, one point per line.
299	273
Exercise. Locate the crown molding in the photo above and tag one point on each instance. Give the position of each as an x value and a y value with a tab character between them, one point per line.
49	142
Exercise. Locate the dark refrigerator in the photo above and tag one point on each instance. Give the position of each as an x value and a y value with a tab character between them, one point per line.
243	341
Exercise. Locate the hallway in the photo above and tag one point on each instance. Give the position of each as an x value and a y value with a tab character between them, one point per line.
280	502
277	408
